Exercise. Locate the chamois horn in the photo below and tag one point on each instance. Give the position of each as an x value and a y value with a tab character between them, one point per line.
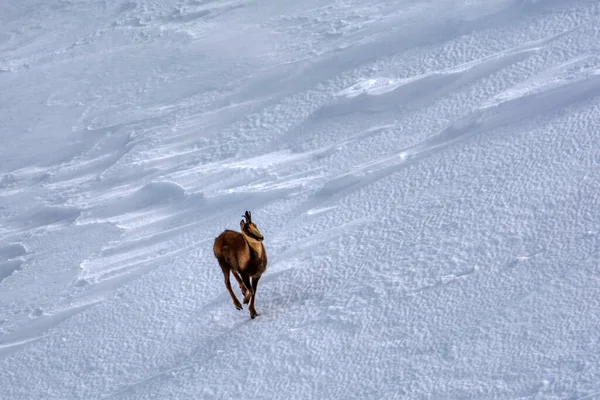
248	217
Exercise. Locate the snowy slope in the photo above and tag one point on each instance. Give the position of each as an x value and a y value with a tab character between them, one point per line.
426	174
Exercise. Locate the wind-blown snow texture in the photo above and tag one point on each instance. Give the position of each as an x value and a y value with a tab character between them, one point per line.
426	174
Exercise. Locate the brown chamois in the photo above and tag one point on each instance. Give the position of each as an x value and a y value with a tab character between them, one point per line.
244	255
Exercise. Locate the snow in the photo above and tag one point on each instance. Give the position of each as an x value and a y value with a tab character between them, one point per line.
425	173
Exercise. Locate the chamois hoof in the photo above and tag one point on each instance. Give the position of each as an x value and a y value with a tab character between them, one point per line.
254	314
238	306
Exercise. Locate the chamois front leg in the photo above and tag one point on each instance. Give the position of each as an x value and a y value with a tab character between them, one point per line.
253	313
240	282
250	292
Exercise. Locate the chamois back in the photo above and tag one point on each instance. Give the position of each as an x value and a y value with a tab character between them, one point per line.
231	247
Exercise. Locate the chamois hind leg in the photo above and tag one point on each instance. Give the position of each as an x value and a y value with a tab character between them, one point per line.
239	281
252	310
249	292
236	302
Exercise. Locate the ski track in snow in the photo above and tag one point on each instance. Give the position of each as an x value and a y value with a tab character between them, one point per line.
425	174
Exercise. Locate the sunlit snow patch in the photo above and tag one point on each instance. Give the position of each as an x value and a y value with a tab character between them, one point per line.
373	86
553	78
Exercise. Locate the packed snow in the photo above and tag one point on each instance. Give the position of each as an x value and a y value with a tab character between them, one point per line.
426	175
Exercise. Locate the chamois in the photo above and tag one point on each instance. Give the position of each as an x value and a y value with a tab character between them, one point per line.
244	255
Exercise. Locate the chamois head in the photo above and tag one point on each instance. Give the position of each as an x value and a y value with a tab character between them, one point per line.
249	228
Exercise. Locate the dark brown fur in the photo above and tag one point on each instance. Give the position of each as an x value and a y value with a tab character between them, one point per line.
244	255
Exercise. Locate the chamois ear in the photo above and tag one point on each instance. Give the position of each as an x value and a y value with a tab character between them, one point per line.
242	224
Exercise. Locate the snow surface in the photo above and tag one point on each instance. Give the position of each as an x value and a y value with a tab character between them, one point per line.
425	172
